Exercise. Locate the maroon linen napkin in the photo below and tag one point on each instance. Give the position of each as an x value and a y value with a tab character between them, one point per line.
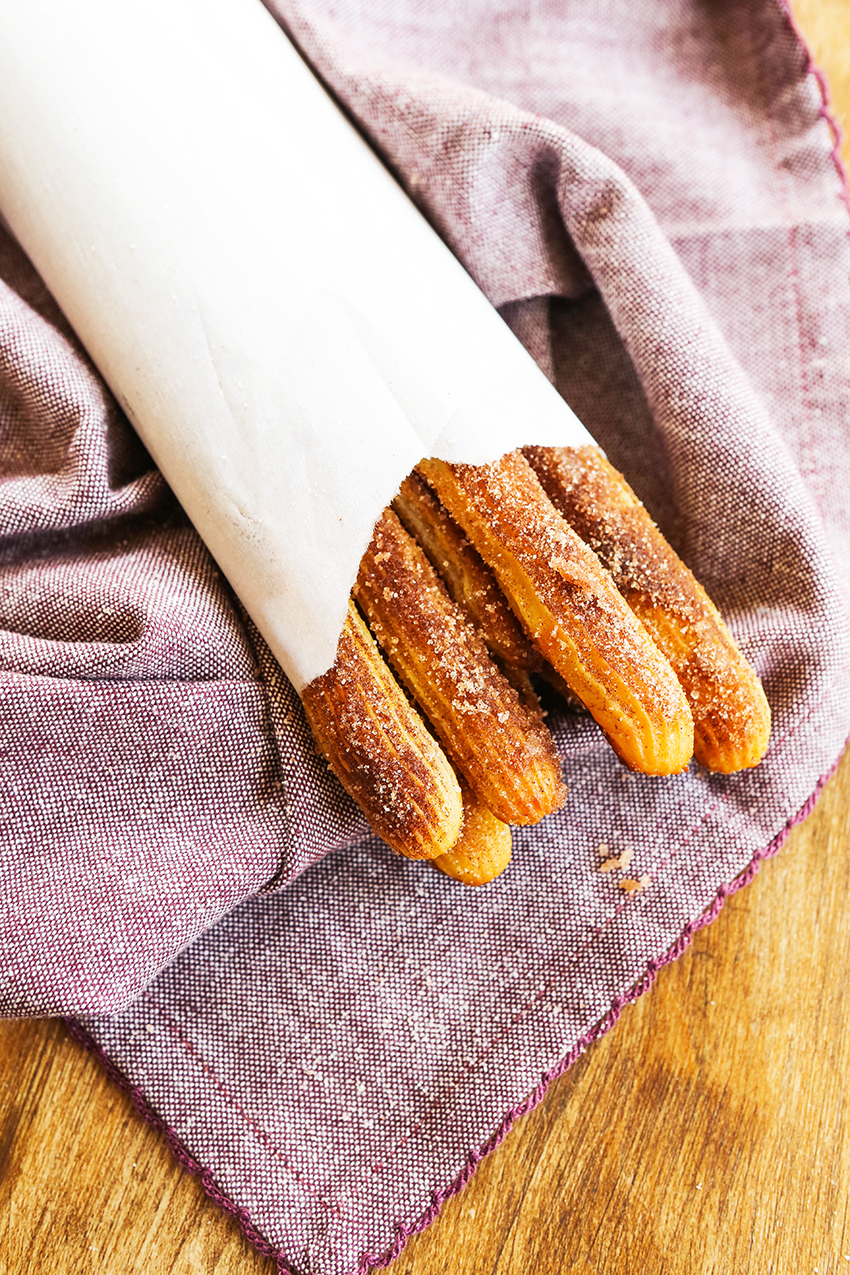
651	194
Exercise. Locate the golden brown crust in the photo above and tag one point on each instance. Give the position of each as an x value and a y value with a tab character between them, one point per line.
380	750
498	744
483	849
469	581
730	711
571	609
472	585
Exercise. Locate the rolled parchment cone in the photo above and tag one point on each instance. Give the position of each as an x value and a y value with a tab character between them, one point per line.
174	174
571	609
483	849
380	750
730	711
497	743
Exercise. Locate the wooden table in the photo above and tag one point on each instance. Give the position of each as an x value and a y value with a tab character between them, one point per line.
709	1133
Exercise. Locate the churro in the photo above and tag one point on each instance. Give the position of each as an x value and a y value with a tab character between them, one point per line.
571	609
554	569
499	744
483	849
469	581
380	750
731	714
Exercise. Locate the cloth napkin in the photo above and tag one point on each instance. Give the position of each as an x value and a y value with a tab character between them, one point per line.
334	1036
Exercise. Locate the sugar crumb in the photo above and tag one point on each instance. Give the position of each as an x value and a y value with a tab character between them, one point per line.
631	885
616	861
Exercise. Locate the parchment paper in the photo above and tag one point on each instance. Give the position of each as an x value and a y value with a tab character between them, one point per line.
282	327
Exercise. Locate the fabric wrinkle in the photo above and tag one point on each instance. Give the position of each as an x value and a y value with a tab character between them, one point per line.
347	1032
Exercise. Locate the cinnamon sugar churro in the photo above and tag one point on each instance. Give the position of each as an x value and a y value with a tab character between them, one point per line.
380	750
553	564
499	744
571	609
731	714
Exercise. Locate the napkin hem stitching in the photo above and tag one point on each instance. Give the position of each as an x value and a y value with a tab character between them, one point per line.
824	112
183	1156
621	908
474	1157
639	987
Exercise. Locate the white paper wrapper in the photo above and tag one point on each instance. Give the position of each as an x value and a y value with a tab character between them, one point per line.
283	329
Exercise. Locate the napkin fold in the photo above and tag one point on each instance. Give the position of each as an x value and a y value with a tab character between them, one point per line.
651	195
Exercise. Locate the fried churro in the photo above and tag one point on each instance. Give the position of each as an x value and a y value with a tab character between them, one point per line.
483	849
380	750
731	714
499	744
469	581
571	609
541	563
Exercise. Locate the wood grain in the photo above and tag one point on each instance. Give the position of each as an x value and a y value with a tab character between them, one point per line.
708	1134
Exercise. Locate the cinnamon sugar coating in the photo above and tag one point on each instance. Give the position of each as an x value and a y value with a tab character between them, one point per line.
497	743
473	586
381	751
483	849
571	609
731	714
469	581
548	556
